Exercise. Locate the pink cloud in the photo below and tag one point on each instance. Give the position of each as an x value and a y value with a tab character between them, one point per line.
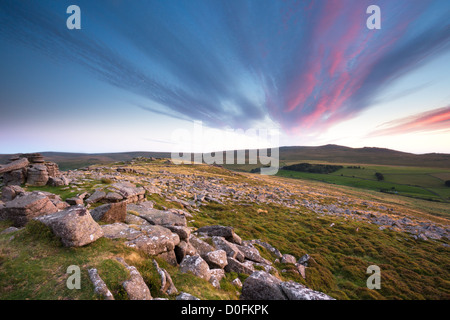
437	119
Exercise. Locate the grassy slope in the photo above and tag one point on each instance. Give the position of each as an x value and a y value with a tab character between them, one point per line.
409	181
33	264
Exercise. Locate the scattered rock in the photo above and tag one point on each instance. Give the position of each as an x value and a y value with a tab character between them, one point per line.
195	265
99	285
301	269
237	283
263	244
26	207
261	285
186	296
251	253
182	249
230	248
10	230
133	219
120	230
183	232
157	217
113	197
238	267
167	286
10	192
216	259
216	276
154	240
304	260
135	286
74	226
287	258
221	231
110	212
129	191
74	201
297	291
200	246
169	256
57	181
97	196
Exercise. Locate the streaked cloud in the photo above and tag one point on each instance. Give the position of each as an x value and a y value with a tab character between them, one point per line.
434	120
306	64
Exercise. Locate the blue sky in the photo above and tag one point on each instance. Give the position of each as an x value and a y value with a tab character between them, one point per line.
139	70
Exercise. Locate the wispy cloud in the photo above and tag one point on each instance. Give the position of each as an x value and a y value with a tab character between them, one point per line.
306	64
437	119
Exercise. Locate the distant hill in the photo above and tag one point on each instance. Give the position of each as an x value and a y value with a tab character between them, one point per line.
67	160
340	154
327	153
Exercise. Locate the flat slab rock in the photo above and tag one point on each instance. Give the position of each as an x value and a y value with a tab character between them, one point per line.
135	286
74	226
27	206
221	231
154	240
100	287
297	291
127	189
120	230
261	285
195	265
110	212
157	217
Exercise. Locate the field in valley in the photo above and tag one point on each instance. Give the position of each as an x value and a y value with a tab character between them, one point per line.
419	182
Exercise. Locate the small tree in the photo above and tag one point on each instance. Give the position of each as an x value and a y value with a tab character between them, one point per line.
379	176
447	183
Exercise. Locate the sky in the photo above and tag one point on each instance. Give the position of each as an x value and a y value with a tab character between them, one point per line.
145	75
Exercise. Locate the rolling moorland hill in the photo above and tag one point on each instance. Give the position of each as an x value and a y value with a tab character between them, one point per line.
328	153
382	156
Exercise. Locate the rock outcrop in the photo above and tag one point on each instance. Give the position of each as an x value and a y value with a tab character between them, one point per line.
74	226
129	191
261	285
27	206
10	192
154	240
110	212
32	170
197	266
100	287
157	217
15	165
167	286
135	286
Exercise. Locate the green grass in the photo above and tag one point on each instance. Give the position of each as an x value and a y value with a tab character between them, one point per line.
406	181
411	269
34	264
